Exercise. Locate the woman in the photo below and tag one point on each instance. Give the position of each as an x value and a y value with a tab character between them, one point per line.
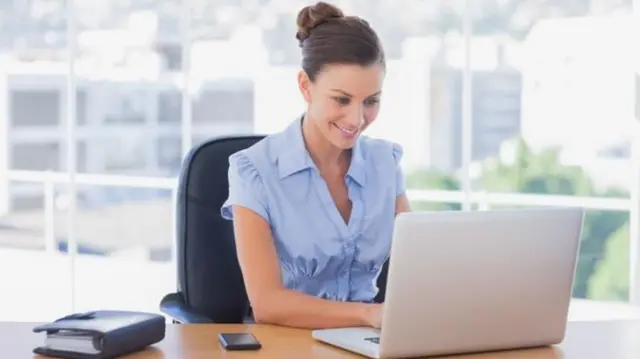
314	205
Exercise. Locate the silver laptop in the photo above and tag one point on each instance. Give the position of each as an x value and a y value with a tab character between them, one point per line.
477	281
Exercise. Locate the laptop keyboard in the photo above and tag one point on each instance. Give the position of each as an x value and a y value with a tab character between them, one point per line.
374	340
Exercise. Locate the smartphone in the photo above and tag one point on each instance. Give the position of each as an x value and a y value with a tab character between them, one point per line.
239	341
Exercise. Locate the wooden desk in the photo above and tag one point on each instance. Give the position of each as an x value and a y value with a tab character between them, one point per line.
584	340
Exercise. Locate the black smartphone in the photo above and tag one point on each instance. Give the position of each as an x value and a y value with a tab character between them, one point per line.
239	341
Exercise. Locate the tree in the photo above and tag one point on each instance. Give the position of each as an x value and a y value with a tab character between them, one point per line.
424	179
543	173
539	173
611	278
599	229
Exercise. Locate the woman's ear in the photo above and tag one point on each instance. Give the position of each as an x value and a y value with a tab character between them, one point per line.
304	83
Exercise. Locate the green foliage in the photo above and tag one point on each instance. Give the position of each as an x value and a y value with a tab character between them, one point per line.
611	276
539	173
433	180
603	264
599	228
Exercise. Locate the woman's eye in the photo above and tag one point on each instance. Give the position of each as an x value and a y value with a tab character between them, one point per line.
371	101
342	100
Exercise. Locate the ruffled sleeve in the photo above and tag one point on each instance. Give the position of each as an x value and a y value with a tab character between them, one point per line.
397	152
246	188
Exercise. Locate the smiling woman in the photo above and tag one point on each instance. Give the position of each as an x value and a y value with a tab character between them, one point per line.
343	63
314	205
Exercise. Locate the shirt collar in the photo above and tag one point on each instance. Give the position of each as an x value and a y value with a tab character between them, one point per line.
293	156
357	169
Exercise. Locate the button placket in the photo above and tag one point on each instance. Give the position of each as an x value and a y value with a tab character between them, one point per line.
345	274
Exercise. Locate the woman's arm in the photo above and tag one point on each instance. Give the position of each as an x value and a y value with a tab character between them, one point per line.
272	303
402	204
402	201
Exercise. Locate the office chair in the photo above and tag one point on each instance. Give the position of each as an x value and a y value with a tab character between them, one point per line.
210	284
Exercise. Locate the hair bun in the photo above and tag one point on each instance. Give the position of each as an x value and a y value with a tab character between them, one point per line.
313	15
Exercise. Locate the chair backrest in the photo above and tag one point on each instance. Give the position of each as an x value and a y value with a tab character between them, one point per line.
209	276
382	283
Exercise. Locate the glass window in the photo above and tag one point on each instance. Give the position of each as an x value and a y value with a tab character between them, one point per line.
126	105
34	107
225	102
131	53
36	156
169	106
81	107
563	85
637	77
169	154
544	105
125	154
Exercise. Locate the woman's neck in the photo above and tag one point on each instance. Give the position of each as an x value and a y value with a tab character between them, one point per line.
324	154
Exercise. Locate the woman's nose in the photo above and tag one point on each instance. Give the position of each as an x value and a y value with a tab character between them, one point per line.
356	117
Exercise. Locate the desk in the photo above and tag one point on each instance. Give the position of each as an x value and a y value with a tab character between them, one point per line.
584	340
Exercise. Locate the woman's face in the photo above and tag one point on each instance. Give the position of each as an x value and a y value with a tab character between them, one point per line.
343	101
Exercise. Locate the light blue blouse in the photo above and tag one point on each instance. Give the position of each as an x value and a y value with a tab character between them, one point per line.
319	253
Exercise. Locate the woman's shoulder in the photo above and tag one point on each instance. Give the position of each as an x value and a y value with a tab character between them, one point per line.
379	151
258	159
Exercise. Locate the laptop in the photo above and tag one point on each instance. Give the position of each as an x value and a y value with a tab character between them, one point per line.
473	281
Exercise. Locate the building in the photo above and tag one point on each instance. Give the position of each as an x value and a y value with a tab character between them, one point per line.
496	109
126	125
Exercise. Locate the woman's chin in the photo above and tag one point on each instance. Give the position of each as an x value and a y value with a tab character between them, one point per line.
344	143
343	140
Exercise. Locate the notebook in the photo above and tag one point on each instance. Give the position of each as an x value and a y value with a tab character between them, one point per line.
100	334
72	341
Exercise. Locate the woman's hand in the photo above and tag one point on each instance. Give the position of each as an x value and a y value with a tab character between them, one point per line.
373	315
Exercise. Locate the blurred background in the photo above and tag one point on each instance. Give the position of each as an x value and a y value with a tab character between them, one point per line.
498	103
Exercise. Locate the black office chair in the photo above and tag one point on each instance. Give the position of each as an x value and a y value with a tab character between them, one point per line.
210	284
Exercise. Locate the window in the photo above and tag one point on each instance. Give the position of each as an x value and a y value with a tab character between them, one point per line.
169	153
26	201
227	102
35	108
36	156
124	154
538	115
169	106
637	100
126	105
81	107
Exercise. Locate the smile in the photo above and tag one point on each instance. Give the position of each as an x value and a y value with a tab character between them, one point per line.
346	131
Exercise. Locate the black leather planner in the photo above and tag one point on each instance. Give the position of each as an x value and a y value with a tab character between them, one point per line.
100	334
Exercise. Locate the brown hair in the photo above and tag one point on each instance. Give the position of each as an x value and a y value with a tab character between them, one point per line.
327	36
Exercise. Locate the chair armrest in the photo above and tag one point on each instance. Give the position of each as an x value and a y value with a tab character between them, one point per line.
174	306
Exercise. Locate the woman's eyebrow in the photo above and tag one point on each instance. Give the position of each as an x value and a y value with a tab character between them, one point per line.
350	95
